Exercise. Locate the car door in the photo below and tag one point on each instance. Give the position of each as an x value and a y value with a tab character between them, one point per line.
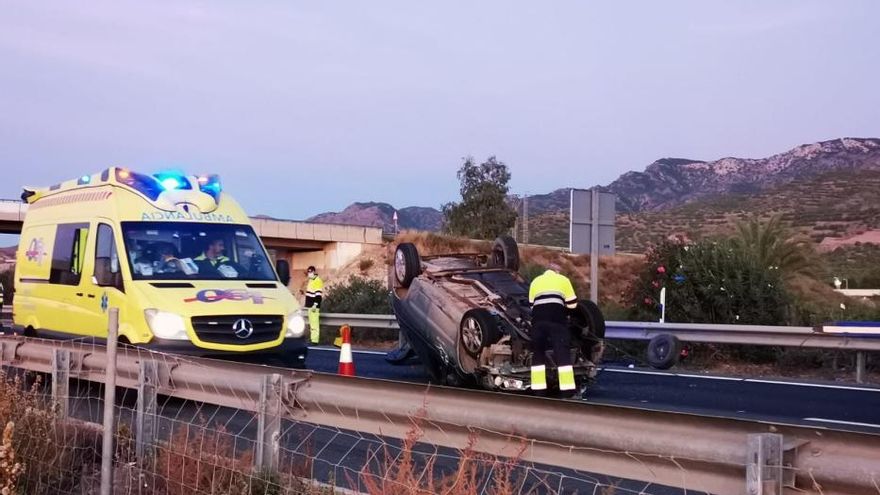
63	309
104	288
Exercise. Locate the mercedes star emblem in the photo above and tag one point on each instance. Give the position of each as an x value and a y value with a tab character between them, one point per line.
243	328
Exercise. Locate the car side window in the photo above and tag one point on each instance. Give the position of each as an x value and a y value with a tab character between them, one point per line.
68	253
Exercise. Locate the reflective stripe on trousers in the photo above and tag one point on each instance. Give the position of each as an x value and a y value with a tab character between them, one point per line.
314	324
566	377
539	377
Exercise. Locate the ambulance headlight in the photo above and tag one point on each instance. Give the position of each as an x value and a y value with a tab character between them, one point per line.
166	325
296	325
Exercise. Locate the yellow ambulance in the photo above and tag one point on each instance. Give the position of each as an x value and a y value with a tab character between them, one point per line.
172	252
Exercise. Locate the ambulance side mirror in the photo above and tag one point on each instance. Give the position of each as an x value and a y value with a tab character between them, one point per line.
104	274
283	269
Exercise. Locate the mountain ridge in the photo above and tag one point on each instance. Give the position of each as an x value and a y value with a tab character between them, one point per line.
668	184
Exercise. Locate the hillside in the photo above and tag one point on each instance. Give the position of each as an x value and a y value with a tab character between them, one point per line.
373	214
727	187
671	182
836	209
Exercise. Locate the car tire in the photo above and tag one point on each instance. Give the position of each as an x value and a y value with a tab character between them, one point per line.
407	263
478	329
663	351
505	253
587	314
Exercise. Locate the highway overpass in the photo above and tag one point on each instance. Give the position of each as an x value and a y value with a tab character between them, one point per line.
325	246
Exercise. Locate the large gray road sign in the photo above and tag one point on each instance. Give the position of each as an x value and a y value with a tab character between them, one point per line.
582	219
592	230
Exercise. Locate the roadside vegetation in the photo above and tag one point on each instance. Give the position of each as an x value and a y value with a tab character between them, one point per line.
42	454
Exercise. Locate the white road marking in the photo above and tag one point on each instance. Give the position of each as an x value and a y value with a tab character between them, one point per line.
841	422
637	372
817	385
355	351
750	380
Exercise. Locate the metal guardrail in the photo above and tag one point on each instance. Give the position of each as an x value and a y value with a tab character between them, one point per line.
782	336
719	455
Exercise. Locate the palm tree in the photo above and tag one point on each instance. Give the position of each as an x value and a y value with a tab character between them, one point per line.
770	243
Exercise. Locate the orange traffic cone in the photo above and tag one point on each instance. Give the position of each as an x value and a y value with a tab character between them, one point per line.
346	364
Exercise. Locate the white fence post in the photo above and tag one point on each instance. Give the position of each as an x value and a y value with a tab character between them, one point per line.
109	403
145	426
61	381
269	423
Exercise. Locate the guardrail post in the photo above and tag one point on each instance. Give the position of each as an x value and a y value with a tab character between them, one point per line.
764	465
860	367
61	381
145	426
109	404
269	423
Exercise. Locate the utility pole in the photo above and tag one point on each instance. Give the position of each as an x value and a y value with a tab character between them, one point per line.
525	218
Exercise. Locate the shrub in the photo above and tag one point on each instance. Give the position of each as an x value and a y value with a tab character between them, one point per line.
531	270
709	282
357	295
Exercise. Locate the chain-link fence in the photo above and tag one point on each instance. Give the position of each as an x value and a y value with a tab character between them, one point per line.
191	426
171	444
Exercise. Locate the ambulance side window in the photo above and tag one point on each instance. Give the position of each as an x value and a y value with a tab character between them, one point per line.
68	254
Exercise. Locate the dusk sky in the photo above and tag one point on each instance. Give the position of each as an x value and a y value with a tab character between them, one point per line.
305	107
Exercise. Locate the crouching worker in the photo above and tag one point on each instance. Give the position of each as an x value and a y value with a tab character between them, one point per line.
313	303
551	296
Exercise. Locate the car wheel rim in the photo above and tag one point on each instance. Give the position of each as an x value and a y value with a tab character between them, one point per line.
662	351
498	257
400	266
472	335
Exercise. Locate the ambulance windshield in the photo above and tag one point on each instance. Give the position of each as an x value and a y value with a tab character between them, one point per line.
195	251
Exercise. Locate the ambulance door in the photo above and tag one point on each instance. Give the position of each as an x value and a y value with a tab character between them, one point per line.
64	309
105	286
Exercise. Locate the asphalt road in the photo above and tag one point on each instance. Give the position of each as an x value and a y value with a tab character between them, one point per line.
843	407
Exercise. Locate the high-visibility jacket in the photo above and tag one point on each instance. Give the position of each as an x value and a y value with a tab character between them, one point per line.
214	261
549	294
314	290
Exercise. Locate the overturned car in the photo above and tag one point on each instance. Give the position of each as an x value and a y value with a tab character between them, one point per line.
467	317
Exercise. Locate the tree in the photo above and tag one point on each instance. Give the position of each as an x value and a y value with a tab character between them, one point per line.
483	212
773	247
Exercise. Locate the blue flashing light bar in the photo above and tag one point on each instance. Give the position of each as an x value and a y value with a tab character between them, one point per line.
171	181
152	186
210	184
85	179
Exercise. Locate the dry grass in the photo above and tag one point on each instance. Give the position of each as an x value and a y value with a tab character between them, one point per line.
10	467
429	243
51	454
617	272
403	474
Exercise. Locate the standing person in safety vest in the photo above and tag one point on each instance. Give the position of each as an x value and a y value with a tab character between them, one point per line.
313	303
551	296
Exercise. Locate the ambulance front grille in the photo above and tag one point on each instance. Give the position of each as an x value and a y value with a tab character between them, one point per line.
228	329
